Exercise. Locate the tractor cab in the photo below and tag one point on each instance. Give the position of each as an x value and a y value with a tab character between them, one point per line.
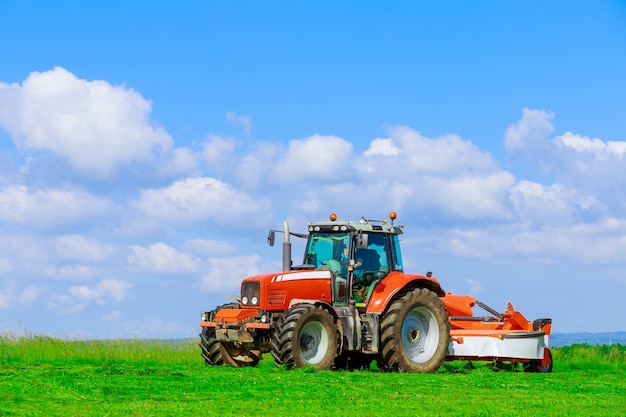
359	254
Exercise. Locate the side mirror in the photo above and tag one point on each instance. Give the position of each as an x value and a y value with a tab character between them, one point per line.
362	241
271	237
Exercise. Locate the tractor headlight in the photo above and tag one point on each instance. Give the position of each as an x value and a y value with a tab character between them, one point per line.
204	316
250	293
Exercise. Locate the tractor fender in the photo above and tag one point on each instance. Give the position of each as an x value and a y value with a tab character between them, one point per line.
398	283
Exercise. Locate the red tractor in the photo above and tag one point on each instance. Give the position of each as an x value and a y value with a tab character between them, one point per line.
350	303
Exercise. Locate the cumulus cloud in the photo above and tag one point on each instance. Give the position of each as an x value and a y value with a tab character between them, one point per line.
50	208
162	259
209	248
240	120
195	200
529	136
475	287
226	273
82	248
5	299
216	149
80	297
602	242
6	265
596	147
114	316
586	167
315	158
31	294
552	205
438	176
382	146
70	272
93	124
447	155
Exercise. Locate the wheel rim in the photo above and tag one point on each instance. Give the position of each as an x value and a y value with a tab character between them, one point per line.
420	335
313	342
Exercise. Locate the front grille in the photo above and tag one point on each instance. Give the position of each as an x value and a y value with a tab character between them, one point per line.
251	293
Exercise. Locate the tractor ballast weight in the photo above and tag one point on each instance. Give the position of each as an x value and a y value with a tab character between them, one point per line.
350	303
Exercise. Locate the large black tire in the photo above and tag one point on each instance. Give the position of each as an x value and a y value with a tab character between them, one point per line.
535	365
211	349
233	354
415	333
305	335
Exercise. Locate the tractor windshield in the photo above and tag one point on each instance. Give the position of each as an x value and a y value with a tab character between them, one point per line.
328	251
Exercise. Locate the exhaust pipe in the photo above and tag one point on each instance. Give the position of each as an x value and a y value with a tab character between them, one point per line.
286	249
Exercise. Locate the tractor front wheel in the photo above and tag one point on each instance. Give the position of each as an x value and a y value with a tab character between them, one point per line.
305	335
415	333
211	349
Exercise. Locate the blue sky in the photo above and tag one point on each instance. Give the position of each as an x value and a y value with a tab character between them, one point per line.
147	148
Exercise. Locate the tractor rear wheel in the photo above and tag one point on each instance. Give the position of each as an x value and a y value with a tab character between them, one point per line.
415	333
305	335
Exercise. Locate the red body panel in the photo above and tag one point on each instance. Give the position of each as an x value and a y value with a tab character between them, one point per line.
391	284
280	288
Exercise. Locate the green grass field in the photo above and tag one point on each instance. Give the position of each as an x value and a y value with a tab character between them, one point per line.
41	376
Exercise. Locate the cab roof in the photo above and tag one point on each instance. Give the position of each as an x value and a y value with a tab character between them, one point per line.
363	225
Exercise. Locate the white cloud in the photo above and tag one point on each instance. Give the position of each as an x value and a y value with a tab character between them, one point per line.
5	299
194	200
469	197
79	297
6	265
82	248
181	161
162	259
240	120
383	147
209	248
226	273
447	155
600	242
31	294
551	205
107	288
70	272
114	316
529	136
595	146
93	124
217	149
588	169
437	176
315	158
475	287
50	208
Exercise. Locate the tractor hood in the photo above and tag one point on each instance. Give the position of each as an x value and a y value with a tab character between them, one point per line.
277	290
